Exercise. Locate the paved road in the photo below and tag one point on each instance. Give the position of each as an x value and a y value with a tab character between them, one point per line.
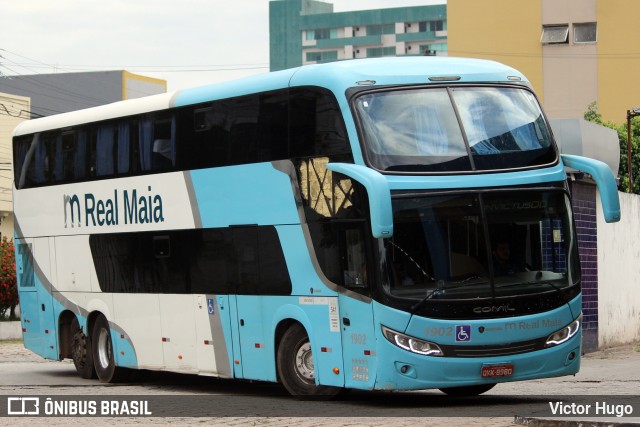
605	373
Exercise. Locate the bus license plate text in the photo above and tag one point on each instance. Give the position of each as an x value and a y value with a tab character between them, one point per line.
492	371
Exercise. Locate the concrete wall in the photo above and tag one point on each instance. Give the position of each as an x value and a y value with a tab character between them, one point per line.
10	331
619	275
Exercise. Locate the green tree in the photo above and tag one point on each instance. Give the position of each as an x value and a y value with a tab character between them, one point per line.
593	115
8	285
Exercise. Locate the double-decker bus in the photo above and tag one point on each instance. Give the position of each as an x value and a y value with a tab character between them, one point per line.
394	224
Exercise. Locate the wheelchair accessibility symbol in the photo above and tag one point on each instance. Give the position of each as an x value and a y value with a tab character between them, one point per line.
463	333
210	305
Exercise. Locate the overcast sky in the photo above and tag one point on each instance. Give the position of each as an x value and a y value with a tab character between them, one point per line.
186	42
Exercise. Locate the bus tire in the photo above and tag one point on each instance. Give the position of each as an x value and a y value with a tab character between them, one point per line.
81	351
103	358
466	391
296	368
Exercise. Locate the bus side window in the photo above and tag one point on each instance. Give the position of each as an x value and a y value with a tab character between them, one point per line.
163	148
272	126
317	127
65	153
35	166
156	143
105	150
49	160
355	268
21	147
123	148
80	158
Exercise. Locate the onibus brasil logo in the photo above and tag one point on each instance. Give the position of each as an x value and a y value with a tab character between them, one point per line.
125	207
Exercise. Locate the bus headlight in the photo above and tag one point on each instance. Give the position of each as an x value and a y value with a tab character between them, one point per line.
565	333
411	344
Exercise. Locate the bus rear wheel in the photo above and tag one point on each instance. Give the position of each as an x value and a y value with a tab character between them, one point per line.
296	367
103	358
467	391
81	352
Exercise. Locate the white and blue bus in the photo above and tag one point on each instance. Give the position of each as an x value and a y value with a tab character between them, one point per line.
389	224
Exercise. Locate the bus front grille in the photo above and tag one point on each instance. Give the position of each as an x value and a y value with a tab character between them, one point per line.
493	350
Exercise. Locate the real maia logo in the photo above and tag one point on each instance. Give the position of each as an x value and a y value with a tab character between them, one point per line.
126	207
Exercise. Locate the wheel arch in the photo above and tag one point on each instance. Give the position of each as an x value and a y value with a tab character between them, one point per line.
285	318
65	319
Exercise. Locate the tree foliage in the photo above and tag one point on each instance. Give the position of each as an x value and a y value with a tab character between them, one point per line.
8	285
593	115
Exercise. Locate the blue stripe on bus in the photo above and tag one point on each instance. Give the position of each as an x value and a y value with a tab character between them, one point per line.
244	194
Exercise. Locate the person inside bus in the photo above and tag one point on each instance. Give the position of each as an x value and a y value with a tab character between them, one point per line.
503	264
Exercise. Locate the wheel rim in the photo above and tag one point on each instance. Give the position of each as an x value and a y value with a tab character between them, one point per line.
104	348
304	363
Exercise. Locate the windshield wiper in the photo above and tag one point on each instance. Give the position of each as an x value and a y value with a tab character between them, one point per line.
441	288
537	282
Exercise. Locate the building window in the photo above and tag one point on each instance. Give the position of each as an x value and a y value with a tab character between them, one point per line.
331	55
425	26
556	34
585	33
432	49
377	52
322	34
378	30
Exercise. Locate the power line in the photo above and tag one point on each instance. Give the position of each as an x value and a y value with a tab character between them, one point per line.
148	67
8	113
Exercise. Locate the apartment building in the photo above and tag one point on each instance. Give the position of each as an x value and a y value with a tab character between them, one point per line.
307	32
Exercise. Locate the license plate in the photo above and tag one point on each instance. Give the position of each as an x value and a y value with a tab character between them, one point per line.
492	371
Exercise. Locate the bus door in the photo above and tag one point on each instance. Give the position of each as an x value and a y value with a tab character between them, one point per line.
36	300
254	351
251	277
356	312
213	341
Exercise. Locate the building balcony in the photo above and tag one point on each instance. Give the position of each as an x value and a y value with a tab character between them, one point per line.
347	41
426	35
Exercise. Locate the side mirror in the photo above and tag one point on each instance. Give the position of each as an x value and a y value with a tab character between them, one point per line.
377	191
605	180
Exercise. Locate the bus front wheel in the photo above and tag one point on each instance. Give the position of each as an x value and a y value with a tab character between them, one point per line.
296	367
467	391
81	352
103	358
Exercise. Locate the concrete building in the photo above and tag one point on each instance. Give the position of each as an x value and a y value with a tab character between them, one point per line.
573	51
307	32
13	110
63	92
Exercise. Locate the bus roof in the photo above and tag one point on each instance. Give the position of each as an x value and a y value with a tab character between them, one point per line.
336	76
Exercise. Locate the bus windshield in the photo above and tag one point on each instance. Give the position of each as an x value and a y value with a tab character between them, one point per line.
453	129
481	245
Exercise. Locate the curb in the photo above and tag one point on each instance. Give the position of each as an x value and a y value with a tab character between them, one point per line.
10	331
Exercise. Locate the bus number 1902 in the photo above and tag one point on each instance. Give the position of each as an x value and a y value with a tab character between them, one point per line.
442	331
